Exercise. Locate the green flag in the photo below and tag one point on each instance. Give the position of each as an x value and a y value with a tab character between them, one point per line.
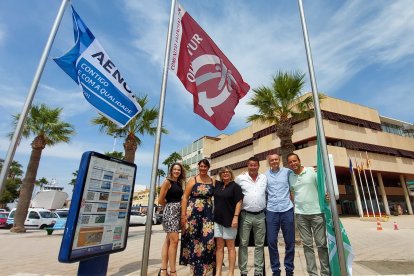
330	231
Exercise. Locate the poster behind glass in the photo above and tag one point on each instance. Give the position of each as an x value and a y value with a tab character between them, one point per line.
101	223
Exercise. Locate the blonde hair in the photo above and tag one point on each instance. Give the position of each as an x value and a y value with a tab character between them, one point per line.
226	168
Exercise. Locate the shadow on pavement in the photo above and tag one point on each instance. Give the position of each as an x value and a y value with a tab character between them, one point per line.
134	267
388	267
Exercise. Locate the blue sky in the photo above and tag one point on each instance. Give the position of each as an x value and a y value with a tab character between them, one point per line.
363	52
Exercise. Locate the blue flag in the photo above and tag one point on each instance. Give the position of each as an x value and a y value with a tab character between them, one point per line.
102	84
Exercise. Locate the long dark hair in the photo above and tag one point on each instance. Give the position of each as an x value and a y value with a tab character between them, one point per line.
181	178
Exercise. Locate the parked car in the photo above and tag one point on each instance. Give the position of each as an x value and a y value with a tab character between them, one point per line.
159	218
36	218
61	213
138	218
3	219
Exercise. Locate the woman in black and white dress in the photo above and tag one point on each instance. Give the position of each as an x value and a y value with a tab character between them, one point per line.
170	197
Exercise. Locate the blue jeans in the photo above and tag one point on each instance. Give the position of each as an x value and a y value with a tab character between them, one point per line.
274	222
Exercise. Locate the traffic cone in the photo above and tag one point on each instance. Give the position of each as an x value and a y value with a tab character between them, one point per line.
379	227
396	226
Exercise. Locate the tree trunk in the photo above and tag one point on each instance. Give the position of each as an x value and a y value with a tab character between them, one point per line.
26	189
130	147
284	130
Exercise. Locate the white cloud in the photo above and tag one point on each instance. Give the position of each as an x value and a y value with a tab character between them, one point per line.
353	41
149	21
72	100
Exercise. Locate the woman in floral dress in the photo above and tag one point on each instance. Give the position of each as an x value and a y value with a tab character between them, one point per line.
197	239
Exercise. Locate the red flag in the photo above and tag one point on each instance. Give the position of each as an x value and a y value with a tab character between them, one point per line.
205	71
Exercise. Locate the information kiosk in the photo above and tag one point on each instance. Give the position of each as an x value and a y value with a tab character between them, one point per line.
98	219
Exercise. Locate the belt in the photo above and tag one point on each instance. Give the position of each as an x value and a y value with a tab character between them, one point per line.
253	213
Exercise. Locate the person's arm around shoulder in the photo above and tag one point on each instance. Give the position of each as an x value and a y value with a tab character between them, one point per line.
184	200
315	174
213	181
166	185
292	191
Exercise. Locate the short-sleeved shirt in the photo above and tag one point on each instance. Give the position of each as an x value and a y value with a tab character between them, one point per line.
225	201
305	188
278	191
254	192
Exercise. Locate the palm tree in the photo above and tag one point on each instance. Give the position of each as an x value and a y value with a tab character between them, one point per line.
13	182
143	123
41	182
115	154
187	168
15	169
73	180
160	172
281	104
174	157
44	123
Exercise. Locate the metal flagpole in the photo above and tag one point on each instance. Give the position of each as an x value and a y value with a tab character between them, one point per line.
366	181
321	135
113	147
148	226
358	197
373	184
362	187
32	91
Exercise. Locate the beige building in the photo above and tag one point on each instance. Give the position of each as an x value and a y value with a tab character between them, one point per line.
352	131
196	151
141	198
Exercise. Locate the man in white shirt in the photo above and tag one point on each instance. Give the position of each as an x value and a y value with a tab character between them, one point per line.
252	215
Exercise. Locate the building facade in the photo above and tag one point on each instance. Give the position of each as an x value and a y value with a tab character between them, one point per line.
352	132
196	151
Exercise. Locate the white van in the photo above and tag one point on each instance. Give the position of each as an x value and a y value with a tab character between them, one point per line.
36	218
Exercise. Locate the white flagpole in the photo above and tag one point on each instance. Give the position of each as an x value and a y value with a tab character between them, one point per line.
148	226
362	187
321	136
357	195
373	184
366	182
29	99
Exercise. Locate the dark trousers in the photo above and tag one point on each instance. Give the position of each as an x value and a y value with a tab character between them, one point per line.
274	222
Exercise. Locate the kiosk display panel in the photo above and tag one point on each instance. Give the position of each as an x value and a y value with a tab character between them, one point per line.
98	218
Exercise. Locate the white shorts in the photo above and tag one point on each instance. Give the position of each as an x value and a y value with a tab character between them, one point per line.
226	233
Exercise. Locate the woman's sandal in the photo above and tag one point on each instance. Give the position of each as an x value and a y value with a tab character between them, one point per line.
161	270
171	272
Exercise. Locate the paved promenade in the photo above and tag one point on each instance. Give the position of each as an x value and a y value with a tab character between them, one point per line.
386	252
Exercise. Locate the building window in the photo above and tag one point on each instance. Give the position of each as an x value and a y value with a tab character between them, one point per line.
390	128
302	146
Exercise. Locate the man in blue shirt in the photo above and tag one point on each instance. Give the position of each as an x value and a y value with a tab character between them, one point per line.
279	215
